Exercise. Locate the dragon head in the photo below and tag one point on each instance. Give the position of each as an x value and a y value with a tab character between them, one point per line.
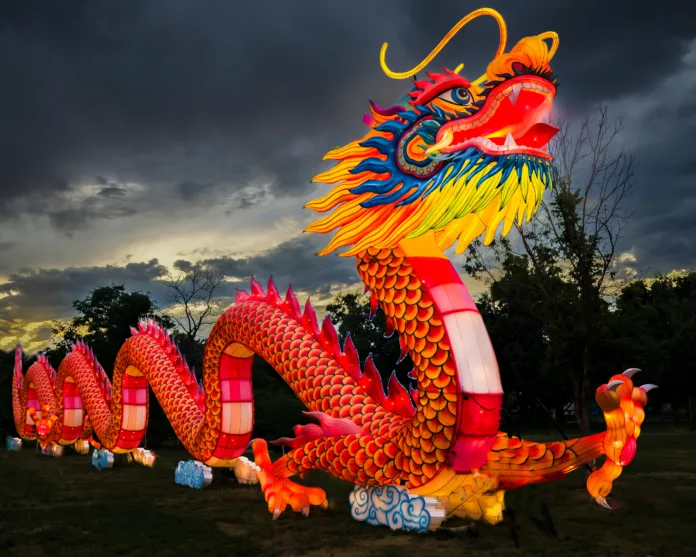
459	159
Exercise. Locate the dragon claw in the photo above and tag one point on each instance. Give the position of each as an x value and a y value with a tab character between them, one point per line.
279	491
630	372
648	387
613	385
603	502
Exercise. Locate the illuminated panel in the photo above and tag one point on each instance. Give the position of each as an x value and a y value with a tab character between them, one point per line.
134	420
73	413
477	368
237	402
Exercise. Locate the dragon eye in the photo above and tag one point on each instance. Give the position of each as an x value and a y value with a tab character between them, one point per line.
459	95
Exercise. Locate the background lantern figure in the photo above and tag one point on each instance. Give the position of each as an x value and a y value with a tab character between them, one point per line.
458	161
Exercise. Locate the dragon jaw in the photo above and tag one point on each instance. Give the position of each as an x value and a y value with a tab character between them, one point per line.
460	160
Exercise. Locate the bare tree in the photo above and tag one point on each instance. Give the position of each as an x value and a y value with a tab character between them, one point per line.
192	291
570	248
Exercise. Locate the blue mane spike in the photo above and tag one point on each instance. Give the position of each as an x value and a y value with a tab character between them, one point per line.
386	199
370	165
391	126
409	116
380	143
374	186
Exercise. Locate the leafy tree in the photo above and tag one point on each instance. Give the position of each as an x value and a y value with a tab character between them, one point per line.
106	316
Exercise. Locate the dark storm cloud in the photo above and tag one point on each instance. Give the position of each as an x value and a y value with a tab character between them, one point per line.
293	262
172	92
234	104
48	293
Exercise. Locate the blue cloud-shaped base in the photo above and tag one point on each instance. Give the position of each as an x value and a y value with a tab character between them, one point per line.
13	443
193	474
101	458
391	506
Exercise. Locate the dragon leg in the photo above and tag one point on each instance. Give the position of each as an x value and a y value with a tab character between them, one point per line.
277	487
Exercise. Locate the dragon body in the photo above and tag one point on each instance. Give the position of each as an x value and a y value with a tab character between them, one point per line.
460	159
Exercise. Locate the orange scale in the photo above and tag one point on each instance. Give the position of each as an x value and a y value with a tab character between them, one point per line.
432	372
427	445
446	418
429	470
400	296
405	271
370	467
417	459
360	457
346	390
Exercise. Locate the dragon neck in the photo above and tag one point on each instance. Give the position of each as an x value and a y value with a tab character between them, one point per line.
459	392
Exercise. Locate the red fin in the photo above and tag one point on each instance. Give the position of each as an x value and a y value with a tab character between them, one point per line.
373	307
398	399
371	381
389	328
240	296
272	296
291	305
328	336
309	319
256	288
404	350
414	394
349	359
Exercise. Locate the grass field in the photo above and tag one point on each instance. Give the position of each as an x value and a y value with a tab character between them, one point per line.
63	506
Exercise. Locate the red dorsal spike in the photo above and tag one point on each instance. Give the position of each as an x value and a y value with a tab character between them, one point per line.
389	328
240	296
350	359
309	318
432	76
273	296
414	394
404	350
373	307
291	305
413	374
256	288
373	381
328	336
399	398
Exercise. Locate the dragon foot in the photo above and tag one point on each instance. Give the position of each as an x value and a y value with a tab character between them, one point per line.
246	471
623	406
281	492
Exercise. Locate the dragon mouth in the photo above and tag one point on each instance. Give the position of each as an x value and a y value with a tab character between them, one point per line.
513	120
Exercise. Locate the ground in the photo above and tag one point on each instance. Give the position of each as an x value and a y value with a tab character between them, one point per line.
64	506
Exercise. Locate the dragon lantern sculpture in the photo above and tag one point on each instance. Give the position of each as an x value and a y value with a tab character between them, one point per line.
462	158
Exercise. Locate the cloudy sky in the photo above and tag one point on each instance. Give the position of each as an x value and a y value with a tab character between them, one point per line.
138	133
